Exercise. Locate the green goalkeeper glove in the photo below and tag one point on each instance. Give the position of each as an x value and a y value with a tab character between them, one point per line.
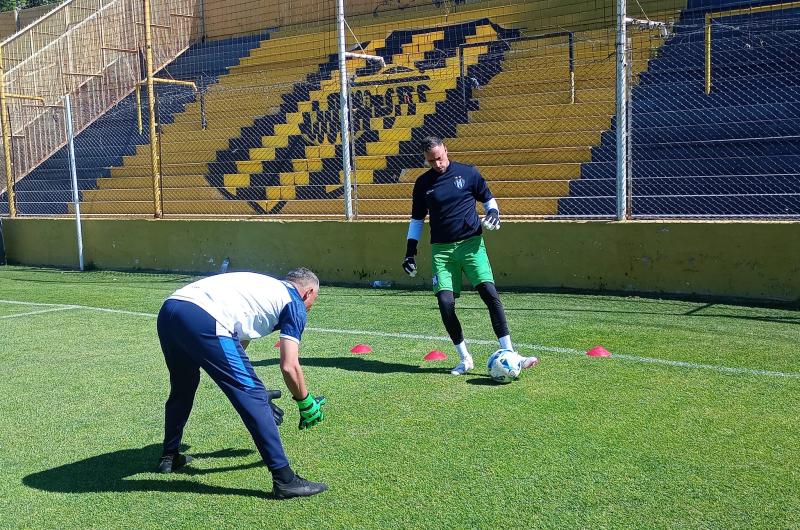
310	411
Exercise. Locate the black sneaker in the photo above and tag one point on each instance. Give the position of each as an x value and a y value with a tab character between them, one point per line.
298	487
173	462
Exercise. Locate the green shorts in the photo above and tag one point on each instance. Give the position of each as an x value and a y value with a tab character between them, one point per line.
449	259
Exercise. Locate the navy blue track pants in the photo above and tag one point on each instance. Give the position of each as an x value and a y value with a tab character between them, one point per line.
189	341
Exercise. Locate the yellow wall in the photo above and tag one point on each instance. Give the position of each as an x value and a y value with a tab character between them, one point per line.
753	260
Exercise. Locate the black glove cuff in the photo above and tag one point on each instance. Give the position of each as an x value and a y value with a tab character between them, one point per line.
411	248
305	398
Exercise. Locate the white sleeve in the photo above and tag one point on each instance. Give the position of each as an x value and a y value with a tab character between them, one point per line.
415	229
491	204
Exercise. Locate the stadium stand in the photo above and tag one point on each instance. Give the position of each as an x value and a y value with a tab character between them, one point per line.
263	138
733	152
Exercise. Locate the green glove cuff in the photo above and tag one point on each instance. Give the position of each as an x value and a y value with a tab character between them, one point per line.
306	402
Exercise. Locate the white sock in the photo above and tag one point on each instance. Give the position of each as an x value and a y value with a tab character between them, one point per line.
462	349
505	343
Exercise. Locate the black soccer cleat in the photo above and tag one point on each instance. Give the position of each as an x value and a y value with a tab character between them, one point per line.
173	462
298	487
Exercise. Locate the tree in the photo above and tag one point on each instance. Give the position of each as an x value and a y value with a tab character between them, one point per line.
11	5
37	3
8	5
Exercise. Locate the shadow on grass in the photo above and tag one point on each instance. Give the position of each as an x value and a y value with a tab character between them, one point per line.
359	364
483	381
115	472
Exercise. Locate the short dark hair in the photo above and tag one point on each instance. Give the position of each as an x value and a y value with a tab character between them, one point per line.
303	277
429	142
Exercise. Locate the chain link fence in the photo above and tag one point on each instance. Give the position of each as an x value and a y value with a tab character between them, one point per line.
714	122
523	90
89	51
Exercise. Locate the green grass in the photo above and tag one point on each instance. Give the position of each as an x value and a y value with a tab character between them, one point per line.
577	442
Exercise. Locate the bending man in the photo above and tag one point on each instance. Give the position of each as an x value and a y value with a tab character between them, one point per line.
208	324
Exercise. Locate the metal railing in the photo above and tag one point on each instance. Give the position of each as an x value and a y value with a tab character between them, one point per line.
91	50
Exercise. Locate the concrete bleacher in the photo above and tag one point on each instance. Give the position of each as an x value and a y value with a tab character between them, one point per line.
249	126
185	143
733	152
526	118
297	160
527	161
103	146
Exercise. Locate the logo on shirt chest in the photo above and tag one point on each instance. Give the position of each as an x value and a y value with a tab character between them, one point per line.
459	182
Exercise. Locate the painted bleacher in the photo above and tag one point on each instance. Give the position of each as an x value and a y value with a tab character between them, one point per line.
734	152
295	167
104	144
232	158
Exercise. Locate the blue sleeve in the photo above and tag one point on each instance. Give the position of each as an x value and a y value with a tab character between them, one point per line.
292	320
481	190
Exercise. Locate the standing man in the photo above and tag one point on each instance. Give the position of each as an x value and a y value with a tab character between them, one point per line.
448	192
208	324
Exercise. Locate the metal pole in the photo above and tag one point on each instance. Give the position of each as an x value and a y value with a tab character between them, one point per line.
154	157
74	174
622	113
343	114
139	107
353	169
630	131
463	76
571	68
708	53
102	33
6	124
202	21
203	121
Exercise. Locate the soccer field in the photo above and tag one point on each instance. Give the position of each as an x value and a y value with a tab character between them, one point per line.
692	423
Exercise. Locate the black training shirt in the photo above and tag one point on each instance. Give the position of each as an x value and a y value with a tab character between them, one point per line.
450	198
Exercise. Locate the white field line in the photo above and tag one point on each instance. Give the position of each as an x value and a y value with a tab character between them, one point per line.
84	307
535	347
573	351
39	312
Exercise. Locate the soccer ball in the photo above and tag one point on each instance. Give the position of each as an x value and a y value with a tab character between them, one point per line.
504	366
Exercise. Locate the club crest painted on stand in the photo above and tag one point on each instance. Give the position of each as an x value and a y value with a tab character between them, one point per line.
295	155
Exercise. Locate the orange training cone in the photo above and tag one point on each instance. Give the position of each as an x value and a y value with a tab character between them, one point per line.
360	349
598	351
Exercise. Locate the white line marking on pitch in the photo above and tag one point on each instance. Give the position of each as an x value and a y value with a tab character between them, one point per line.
39	312
535	347
573	351
86	307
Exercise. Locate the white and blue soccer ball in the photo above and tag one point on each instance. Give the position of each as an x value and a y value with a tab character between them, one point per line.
504	366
